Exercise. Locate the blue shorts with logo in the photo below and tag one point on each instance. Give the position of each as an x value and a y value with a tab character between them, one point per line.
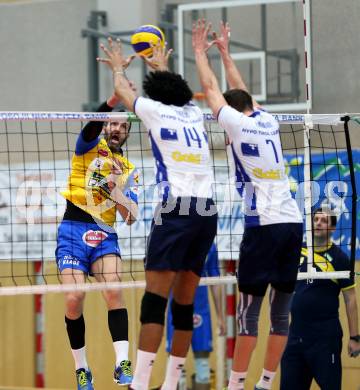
79	244
201	340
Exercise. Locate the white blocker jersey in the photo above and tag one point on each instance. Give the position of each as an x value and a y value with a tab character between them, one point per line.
259	167
180	147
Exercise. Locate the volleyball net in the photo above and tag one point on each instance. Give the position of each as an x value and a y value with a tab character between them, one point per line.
35	161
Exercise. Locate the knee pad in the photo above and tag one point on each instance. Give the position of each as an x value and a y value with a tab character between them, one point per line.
279	312
248	314
202	370
153	308
182	316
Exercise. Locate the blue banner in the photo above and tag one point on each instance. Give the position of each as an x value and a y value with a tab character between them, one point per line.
331	186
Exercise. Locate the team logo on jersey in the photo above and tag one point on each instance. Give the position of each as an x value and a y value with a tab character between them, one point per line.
98	163
94	237
186	157
168	134
250	149
197	320
103	152
272	174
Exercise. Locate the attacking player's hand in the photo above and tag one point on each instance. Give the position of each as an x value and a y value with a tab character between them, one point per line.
115	59
354	348
200	33
160	57
222	40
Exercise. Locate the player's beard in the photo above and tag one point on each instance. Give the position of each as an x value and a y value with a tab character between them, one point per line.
114	148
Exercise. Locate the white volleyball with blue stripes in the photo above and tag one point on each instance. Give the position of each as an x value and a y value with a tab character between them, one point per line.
145	35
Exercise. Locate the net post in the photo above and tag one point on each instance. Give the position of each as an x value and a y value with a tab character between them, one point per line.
307	193
230	316
39	327
346	120
220	362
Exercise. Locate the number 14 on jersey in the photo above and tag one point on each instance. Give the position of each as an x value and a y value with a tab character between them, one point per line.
193	137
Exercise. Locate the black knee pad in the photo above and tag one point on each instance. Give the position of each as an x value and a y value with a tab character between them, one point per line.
182	316
153	308
279	312
248	314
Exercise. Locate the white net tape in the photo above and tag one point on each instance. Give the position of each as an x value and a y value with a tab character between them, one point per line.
209	281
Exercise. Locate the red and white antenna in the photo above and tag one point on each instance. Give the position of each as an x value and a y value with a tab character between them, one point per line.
307	48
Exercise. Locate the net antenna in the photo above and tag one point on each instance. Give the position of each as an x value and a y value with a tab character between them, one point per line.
307	55
307	147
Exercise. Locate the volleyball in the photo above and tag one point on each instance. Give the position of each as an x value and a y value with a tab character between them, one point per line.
144	36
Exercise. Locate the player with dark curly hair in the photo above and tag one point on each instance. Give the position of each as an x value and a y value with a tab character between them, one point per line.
185	221
161	85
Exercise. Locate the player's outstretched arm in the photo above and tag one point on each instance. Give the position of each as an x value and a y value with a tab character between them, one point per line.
353	321
207	77
233	75
118	63
159	59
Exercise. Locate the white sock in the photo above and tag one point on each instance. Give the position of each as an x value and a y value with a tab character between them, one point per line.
173	371
144	364
80	358
266	379
237	380
121	351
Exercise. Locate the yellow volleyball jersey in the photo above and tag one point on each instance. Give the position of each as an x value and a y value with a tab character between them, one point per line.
87	183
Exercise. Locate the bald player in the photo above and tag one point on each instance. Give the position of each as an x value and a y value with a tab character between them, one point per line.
313	351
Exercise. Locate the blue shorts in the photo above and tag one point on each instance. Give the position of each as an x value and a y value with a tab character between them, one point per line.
202	335
270	254
181	242
80	244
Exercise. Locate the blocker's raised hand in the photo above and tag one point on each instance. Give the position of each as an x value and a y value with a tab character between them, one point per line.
200	33
115	59
160	57
222	40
